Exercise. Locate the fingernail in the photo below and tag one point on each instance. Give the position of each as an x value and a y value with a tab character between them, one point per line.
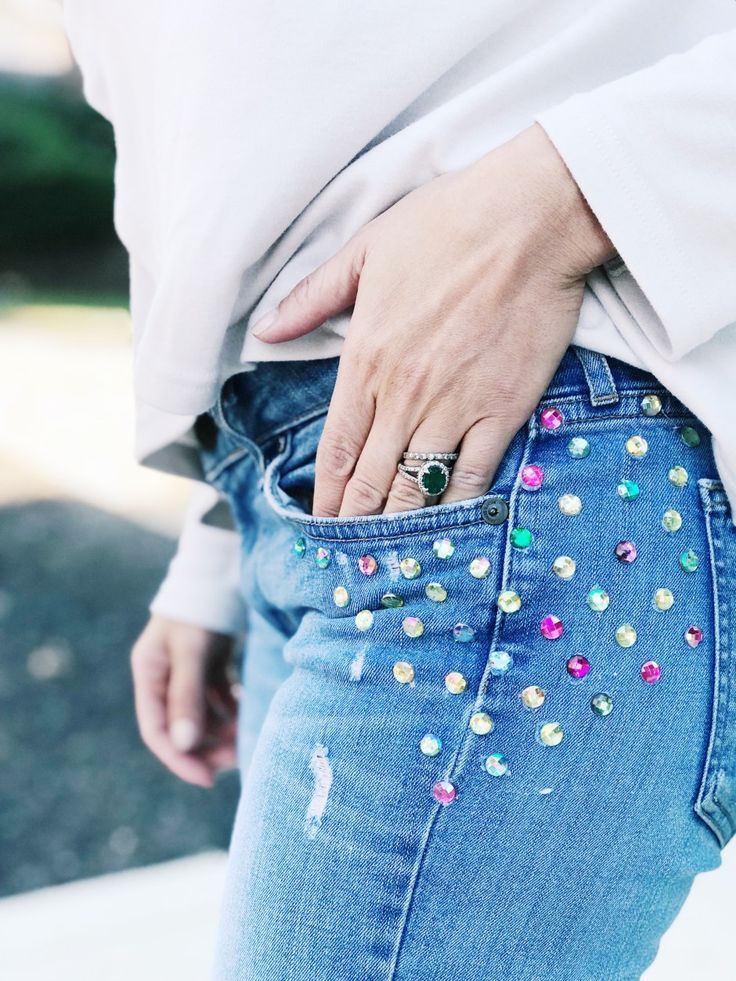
183	734
264	324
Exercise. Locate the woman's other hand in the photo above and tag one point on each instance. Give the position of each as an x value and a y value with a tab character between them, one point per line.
185	708
466	294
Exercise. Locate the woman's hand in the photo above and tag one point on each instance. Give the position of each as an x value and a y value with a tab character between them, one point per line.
183	700
466	294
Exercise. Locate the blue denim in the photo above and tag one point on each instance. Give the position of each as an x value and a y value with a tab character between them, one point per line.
555	859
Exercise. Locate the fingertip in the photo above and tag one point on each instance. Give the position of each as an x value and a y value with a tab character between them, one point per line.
184	734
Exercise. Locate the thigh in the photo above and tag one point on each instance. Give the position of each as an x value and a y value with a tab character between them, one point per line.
505	746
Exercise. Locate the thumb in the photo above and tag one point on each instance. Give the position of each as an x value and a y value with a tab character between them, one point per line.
328	290
186	701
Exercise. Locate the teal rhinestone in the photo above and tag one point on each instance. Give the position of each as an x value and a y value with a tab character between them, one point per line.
690	437
322	557
300	547
496	764
602	703
462	633
627	490
578	448
500	663
597	599
689	560
521	538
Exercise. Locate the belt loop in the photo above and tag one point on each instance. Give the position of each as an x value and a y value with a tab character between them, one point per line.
598	376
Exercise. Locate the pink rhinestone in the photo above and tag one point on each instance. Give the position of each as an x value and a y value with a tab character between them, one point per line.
444	792
532	476
626	551
551	418
651	672
578	666
551	627
693	635
367	565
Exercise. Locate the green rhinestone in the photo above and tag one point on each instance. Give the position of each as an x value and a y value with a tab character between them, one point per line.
430	745
689	560
672	520
521	538
322	557
481	723
436	592
636	446
627	490
651	405
564	567
434	478
598	599
602	704
391	601
678	476
689	436
509	601
578	448
663	599
443	548
625	635
364	620
300	547
341	596
410	568
479	567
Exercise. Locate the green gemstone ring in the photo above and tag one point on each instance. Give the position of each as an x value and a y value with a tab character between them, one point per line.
432	474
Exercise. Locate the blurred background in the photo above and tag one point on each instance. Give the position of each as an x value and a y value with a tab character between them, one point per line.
110	868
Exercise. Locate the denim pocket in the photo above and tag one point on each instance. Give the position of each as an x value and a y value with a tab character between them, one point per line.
716	799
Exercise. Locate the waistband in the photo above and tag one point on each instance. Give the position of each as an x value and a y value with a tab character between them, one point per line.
261	402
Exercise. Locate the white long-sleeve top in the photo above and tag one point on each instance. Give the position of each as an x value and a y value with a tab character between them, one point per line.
254	139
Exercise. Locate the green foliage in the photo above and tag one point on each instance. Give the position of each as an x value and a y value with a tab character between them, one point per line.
56	170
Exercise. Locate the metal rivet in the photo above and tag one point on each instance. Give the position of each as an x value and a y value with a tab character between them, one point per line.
494	511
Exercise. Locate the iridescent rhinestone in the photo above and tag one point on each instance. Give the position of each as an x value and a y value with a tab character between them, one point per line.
689	436
341	596
551	734
532	696
436	592
651	405
625	552
479	567
578	448
496	764
521	538
564	567
462	633
663	599
598	599
637	447
412	626
602	703
364	620
403	672
300	547
532	477
570	504
443	548
693	636
444	792
551	418
500	663
367	565
625	635
391	601
678	476
551	627
628	490
651	672
509	601
481	723
430	744
578	666
410	568
689	560
322	557
455	682
672	520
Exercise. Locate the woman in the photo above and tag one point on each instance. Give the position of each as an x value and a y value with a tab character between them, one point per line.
440	300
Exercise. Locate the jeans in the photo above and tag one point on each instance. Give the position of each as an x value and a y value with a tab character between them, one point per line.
493	738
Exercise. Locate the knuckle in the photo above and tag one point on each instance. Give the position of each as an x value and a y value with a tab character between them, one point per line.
469	477
404	495
363	494
336	454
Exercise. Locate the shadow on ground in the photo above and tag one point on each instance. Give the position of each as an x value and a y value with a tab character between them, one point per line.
79	794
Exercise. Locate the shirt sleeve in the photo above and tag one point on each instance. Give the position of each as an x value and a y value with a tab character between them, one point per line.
202	585
654	154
